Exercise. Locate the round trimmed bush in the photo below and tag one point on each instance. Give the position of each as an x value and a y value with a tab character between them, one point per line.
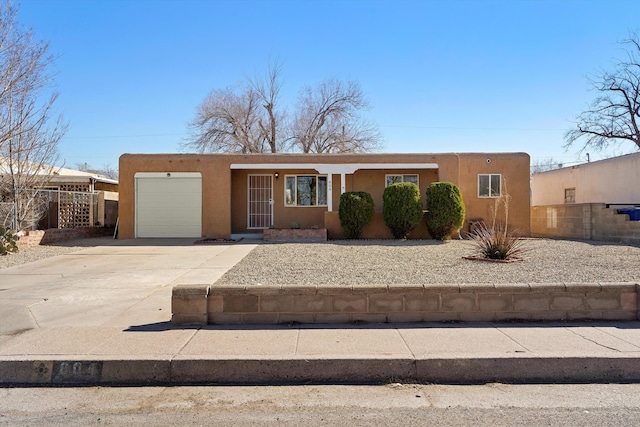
355	211
445	208
402	208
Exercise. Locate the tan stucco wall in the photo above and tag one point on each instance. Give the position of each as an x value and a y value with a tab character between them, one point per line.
514	168
612	180
283	216
216	188
376	229
374	181
224	203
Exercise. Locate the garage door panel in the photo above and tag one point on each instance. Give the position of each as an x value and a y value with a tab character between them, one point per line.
177	202
171	218
168	205
167	231
176	185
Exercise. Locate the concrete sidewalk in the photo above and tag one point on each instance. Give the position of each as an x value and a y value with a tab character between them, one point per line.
101	316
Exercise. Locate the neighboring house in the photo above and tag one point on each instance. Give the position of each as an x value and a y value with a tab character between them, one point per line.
74	198
582	201
610	181
80	199
227	195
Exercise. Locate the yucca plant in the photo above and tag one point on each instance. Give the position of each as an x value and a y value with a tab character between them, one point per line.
498	242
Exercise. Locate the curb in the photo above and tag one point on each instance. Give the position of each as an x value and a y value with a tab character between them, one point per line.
471	370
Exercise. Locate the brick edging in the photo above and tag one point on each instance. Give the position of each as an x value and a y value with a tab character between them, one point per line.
52	235
404	303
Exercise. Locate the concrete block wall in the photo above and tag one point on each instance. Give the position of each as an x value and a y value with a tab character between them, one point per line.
189	304
403	303
589	221
607	224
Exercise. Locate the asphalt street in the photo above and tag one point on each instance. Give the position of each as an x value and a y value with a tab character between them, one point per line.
392	404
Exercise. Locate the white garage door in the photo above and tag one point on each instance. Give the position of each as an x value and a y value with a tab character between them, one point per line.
168	204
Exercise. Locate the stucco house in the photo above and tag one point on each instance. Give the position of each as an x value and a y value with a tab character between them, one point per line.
80	199
610	181
74	198
230	195
583	201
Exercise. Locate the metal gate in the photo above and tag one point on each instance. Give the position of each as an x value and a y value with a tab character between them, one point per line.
260	201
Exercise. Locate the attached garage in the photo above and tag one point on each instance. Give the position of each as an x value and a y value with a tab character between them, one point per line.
168	204
217	196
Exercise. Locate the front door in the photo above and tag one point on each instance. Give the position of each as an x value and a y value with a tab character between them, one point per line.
260	201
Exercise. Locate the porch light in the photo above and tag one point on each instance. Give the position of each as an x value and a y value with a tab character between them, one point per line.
277	175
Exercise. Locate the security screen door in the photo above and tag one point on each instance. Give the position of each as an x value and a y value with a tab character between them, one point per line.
260	201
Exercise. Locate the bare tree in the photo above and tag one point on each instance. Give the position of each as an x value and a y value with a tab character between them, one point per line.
268	90
248	119
29	133
227	122
106	171
327	120
545	165
240	120
614	116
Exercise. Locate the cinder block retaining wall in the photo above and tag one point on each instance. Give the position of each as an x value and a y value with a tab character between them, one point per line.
52	235
403	303
590	221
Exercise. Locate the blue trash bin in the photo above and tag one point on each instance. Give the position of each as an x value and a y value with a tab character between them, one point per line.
634	213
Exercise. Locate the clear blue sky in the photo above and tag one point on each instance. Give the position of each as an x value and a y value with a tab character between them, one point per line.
441	76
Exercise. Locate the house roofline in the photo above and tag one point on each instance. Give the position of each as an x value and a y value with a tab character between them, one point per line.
81	178
333	168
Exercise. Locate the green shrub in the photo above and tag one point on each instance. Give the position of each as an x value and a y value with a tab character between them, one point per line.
402	208
445	208
8	241
356	210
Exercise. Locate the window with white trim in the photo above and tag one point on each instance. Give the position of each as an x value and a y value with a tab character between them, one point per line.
489	185
570	195
305	190
393	179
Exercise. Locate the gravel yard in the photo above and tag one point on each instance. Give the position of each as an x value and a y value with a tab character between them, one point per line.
346	262
36	253
427	261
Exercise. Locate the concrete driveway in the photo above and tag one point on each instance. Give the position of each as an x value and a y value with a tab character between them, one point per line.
99	316
125	283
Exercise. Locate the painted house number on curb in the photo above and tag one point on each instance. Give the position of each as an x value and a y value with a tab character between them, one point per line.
66	372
